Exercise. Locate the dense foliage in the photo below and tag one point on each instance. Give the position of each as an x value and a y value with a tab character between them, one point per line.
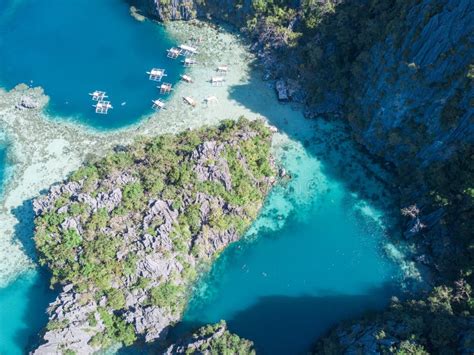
221	342
436	324
90	246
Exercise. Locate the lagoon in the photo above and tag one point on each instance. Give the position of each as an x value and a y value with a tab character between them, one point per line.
71	48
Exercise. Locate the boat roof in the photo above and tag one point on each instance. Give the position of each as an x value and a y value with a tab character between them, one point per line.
187	48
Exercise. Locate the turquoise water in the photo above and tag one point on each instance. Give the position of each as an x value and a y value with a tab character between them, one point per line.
23	312
23	303
72	48
317	260
3	166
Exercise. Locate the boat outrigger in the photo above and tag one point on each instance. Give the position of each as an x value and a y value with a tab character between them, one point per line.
158	104
98	95
102	107
156	74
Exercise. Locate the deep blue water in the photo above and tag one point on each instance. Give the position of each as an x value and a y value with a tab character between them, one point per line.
72	48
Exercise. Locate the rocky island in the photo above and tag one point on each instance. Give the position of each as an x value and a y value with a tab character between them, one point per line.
212	339
125	236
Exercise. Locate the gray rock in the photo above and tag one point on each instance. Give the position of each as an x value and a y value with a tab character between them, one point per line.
282	90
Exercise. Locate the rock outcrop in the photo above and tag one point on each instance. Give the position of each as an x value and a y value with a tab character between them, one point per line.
125	236
212	339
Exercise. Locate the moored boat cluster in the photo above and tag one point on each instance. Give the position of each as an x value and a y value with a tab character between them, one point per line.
157	74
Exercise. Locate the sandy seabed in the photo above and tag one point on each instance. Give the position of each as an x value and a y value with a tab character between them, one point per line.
44	151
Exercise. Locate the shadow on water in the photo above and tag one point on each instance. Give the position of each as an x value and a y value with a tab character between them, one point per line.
295	322
24	229
331	142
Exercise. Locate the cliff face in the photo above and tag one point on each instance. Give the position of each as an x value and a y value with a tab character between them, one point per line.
411	103
231	11
414	96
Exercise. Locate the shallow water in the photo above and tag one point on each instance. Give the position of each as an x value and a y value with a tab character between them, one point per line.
3	167
72	48
312	258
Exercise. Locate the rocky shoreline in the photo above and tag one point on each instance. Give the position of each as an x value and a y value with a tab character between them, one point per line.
125	237
212	339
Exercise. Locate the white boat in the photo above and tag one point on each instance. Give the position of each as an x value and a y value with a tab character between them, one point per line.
190	101
158	104
98	95
187	78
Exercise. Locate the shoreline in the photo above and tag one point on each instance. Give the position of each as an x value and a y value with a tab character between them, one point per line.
47	152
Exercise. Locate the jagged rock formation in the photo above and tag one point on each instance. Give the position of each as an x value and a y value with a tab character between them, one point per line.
212	339
125	236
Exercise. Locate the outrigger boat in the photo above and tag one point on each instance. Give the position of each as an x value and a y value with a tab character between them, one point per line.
189	62
189	101
98	95
102	107
186	78
173	53
223	69
217	81
158	104
165	88
156	74
187	50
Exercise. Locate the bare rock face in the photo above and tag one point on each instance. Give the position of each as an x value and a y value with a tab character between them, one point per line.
211	165
124	249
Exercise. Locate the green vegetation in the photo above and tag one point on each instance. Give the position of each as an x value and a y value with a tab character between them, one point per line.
433	324
93	253
224	344
168	295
